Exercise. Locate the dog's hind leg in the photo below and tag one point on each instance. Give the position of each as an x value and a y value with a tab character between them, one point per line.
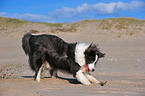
38	74
53	73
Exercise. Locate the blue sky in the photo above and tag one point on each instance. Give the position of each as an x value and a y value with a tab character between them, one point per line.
69	11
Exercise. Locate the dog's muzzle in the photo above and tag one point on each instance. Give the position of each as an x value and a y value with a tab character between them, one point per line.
90	67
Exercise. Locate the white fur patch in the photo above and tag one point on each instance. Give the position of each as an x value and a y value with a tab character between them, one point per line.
47	66
92	65
79	53
38	74
91	78
81	77
34	34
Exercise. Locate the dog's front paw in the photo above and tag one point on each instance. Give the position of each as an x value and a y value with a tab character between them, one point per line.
86	83
103	83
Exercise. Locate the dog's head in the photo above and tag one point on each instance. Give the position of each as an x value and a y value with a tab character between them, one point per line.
92	55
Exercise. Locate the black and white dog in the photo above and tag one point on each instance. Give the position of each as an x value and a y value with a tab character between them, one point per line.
51	52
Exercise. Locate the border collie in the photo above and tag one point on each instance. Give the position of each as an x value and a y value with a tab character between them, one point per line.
53	53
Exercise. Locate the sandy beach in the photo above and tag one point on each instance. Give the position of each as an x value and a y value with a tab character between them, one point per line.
123	68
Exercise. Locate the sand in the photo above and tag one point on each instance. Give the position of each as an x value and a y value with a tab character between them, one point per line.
123	68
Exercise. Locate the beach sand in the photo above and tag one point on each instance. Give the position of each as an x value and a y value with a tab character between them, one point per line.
123	68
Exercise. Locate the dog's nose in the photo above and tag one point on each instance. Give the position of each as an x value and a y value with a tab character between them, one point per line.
93	70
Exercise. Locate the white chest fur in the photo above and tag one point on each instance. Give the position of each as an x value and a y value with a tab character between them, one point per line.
79	53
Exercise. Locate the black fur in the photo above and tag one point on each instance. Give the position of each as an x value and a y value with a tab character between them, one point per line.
50	48
91	52
25	43
58	54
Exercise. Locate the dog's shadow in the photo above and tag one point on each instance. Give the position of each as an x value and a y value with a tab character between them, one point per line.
27	76
70	80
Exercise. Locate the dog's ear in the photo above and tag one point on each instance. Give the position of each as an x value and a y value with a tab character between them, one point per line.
90	45
88	50
92	49
100	55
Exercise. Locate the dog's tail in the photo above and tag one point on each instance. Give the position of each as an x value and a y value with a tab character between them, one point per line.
25	43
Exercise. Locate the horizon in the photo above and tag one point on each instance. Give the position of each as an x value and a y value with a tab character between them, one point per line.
76	21
73	11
